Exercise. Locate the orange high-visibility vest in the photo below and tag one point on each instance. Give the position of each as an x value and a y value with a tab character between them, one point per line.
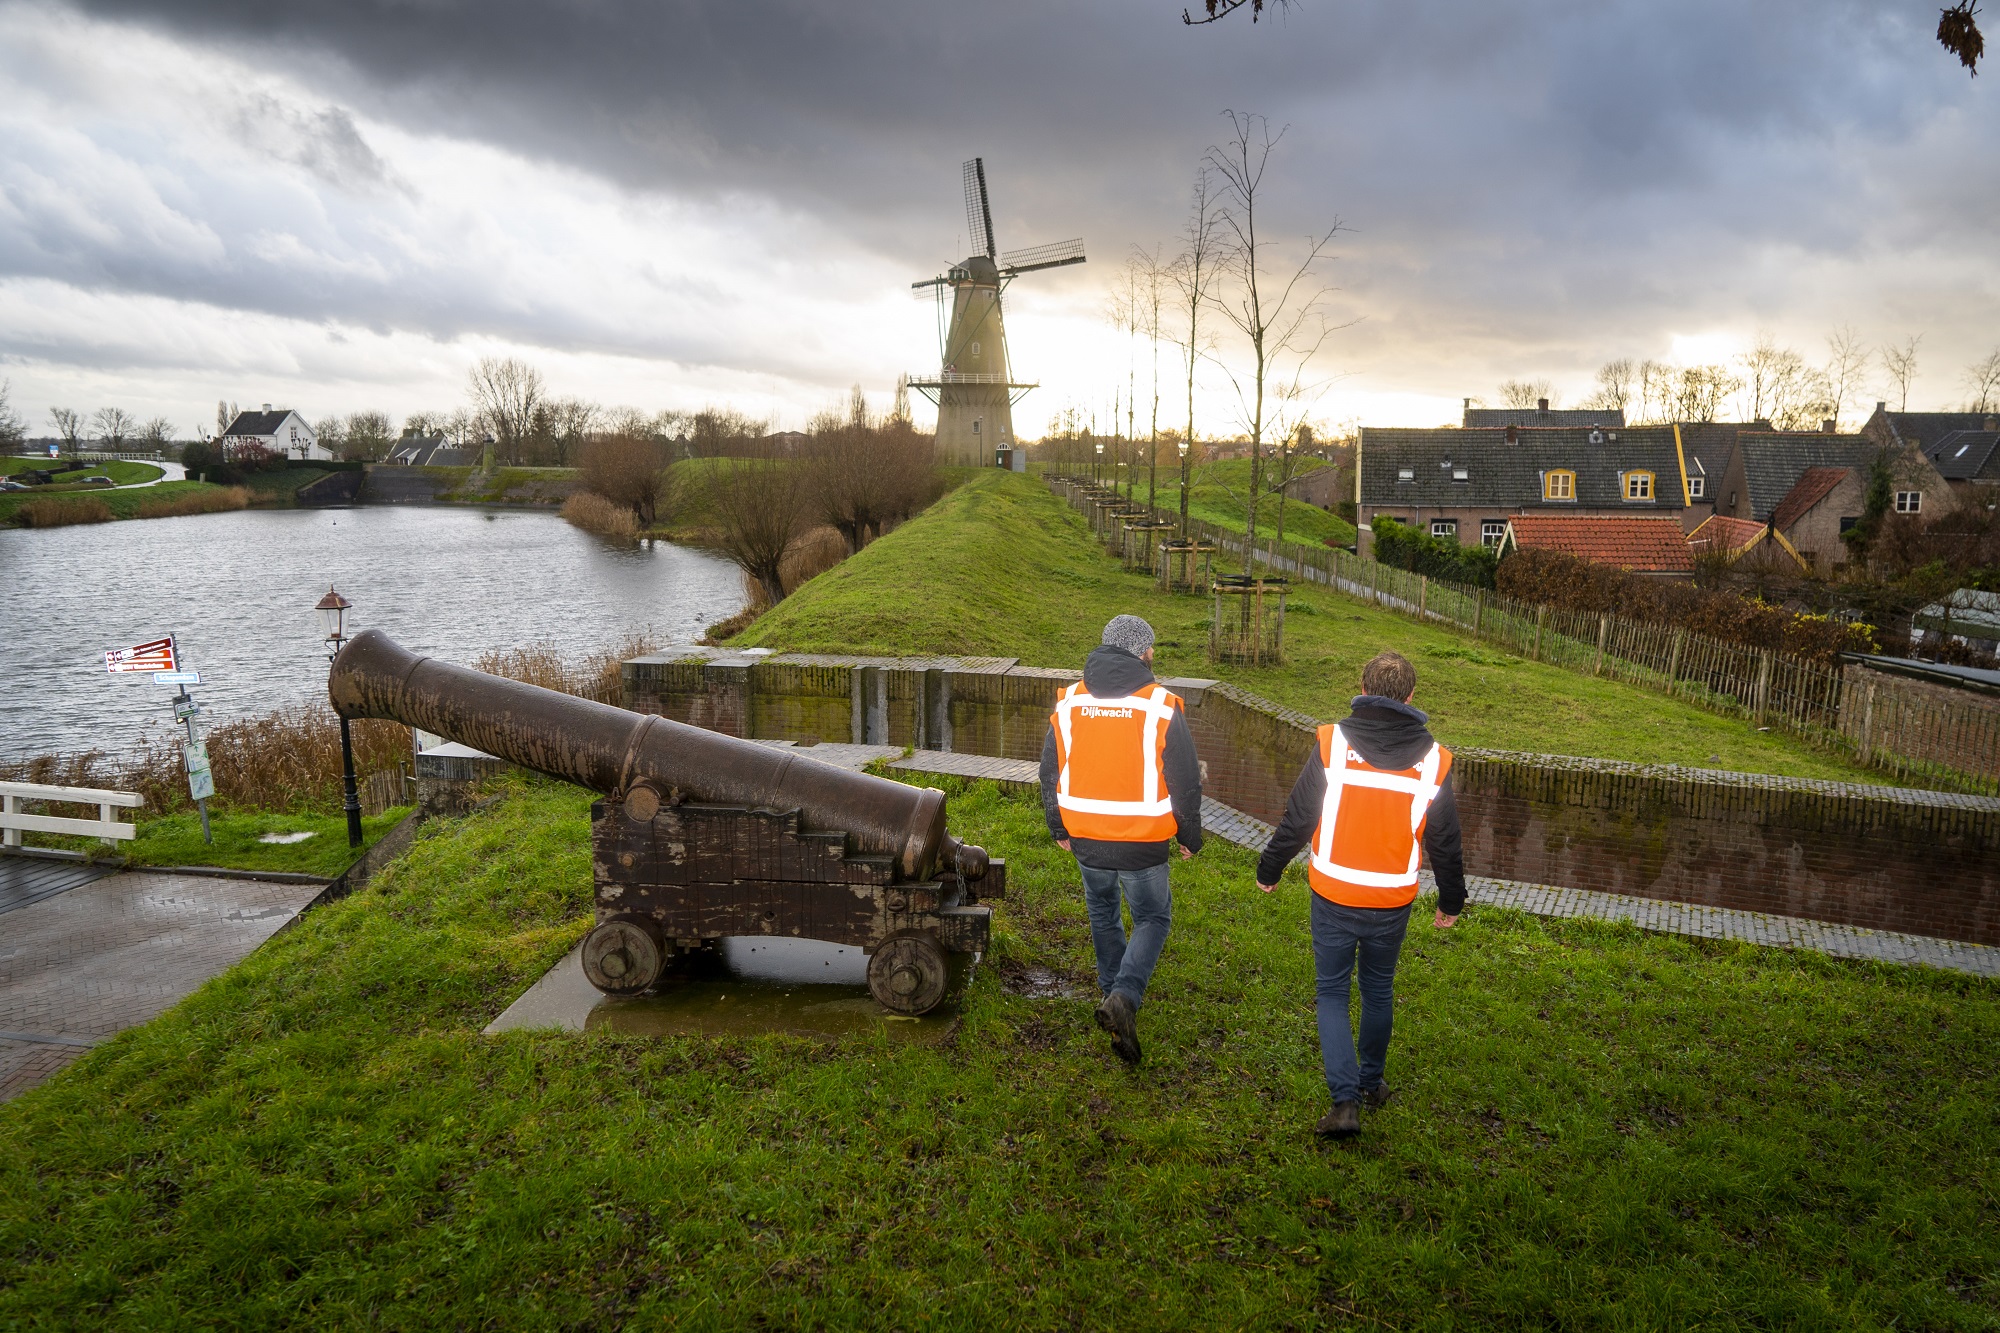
1112	756
1371	827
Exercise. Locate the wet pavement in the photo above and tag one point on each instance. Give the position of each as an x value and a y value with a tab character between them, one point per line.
746	987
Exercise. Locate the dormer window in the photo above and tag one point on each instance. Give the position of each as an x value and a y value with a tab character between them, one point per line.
1638	485
1696	486
1406	474
1559	485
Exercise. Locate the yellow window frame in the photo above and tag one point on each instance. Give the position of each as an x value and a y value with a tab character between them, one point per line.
1559	484
1639	485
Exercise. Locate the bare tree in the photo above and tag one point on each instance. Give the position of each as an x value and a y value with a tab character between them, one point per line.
1656	394
631	471
332	434
158	432
1194	274
70	427
1278	318
1698	392
13	429
1150	286
1899	362
368	435
866	472
225	416
1846	362
114	426
1527	395
506	391
762	505
1982	377
428	425
1614	386
570	422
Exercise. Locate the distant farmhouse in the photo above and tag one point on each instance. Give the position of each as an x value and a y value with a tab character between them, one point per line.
430	451
280	430
1964	447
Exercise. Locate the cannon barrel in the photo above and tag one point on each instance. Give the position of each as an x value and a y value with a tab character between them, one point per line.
613	751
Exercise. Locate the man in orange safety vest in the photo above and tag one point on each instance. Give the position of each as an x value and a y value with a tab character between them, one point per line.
1374	796
1120	785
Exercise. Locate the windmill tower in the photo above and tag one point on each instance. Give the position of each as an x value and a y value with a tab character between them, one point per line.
974	388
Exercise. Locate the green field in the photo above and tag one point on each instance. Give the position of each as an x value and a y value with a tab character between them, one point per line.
122	503
1595	1129
1001	566
122	472
175	840
279	487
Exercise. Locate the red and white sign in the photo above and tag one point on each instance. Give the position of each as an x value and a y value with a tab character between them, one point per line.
158	655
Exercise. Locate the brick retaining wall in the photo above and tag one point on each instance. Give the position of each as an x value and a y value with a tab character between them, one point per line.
1924	863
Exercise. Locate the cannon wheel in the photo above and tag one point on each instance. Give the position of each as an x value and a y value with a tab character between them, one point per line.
909	973
621	957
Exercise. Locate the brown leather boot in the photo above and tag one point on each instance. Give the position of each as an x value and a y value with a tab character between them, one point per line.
1115	1016
1342	1122
1378	1096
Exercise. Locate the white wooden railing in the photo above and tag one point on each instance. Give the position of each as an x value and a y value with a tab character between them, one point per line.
14	821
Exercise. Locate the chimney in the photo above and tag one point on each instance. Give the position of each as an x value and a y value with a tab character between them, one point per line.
1829	426
1541	404
1881	405
267	407
1991	423
1513	434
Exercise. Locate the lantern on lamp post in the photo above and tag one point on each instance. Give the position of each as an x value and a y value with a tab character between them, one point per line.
1097	469
332	610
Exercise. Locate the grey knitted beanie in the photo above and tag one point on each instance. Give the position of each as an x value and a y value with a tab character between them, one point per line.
1132	634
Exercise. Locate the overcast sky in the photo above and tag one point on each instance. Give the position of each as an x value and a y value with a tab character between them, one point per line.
337	206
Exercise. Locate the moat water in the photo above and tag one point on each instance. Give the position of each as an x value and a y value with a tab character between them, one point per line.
237	591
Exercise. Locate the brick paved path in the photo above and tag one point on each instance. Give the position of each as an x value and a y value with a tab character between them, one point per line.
84	965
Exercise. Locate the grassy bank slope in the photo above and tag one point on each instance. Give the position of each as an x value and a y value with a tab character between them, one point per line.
135	502
1001	566
1595	1128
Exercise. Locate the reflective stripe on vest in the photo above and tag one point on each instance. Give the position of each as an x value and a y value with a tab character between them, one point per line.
1116	790
1390	880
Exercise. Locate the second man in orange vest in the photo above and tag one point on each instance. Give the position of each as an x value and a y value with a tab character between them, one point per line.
1120	786
1373	799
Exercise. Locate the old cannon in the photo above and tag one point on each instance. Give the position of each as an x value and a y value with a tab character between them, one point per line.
701	836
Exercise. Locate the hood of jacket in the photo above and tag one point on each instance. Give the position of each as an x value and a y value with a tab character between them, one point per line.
1114	673
1388	733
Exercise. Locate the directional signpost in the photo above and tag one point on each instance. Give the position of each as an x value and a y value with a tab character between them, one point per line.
161	660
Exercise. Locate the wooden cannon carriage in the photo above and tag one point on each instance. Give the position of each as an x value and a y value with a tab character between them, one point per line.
700	836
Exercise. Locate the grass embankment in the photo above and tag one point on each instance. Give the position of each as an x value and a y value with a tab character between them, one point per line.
1001	566
1594	1128
120	471
169	499
1220	490
175	840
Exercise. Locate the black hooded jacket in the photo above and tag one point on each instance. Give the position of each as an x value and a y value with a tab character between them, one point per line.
1388	734
1113	673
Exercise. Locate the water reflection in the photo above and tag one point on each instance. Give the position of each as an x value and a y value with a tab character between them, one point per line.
238	591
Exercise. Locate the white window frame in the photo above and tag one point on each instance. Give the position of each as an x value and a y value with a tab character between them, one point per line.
1696	485
1492	531
1450	526
1909	502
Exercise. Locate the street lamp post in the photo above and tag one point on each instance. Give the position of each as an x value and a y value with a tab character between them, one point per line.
332	609
1183	446
1097	471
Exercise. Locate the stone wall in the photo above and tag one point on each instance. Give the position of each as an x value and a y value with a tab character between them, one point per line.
1927	863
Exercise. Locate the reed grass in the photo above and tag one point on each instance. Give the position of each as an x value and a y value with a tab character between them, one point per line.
49	512
593	513
593	675
218	501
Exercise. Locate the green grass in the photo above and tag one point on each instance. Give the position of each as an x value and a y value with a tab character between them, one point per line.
1218	494
279	487
122	503
1595	1129
122	471
175	840
1001	566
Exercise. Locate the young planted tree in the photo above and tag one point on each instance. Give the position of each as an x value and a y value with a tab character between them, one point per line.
1274	309
1193	275
1150	288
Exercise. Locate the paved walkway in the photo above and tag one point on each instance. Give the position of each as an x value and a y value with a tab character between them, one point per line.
1657	914
107	955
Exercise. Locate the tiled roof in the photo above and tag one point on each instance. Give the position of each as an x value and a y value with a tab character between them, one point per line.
1927	428
258	423
1504	476
1535	416
1813	485
1773	461
1724	533
1648	545
1707	445
431	451
1964	454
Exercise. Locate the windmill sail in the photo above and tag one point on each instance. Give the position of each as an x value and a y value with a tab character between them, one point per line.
978	213
1053	255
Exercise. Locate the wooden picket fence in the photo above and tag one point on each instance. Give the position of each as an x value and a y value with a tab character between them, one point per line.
1869	719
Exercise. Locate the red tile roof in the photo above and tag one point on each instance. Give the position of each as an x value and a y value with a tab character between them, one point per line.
1723	533
1813	485
1648	545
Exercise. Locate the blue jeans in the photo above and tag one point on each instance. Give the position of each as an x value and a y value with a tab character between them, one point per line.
1339	935
1124	966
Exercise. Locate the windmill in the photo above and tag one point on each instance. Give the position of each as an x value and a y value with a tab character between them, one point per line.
974	388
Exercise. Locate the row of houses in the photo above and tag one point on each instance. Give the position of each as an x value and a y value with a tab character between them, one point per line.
1584	480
